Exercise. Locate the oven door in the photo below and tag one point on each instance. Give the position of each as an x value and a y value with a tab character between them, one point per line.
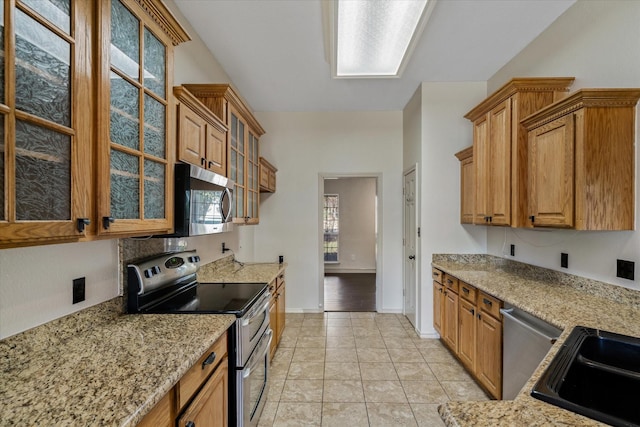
251	327
252	384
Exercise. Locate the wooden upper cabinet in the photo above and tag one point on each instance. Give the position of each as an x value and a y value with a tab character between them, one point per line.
466	185
581	154
135	118
267	176
46	121
243	150
202	137
500	147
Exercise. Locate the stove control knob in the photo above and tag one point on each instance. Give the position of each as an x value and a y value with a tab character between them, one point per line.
148	273
156	269
195	258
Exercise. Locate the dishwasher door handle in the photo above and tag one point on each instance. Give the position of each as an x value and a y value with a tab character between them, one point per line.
506	312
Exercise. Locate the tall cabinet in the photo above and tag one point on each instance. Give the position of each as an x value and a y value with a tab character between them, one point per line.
243	154
135	119
500	147
46	109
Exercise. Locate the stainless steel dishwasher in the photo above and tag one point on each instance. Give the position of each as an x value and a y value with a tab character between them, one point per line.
526	341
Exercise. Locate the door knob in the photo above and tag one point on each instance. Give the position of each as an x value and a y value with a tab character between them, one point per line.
412	257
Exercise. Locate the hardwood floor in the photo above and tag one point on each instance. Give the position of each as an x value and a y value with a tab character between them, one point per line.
350	292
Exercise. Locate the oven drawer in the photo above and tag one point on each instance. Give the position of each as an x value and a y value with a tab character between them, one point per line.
200	371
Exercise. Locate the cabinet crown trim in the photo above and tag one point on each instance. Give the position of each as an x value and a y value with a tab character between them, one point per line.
520	84
583	98
166	20
187	98
227	92
465	154
265	162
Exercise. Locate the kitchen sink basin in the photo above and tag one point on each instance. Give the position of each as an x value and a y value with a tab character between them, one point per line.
597	374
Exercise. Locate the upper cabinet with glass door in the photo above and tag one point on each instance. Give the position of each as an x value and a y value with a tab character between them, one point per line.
45	115
243	153
136	123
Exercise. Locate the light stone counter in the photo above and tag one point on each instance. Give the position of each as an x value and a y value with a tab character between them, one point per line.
561	299
231	271
99	367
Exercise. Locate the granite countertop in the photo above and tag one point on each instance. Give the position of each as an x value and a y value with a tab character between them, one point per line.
561	299
231	271
97	368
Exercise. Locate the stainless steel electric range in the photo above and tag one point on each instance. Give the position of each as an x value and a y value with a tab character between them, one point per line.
167	283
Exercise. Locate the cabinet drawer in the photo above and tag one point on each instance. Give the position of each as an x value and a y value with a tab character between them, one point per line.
468	292
451	283
489	304
193	379
437	275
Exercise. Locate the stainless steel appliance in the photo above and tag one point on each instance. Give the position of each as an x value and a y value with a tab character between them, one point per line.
203	202
526	341
166	283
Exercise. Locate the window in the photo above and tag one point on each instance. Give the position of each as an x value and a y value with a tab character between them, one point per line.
331	228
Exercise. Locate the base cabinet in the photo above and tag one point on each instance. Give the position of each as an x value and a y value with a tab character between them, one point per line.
210	407
470	325
277	310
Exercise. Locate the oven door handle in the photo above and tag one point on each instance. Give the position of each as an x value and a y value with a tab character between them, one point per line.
258	354
255	312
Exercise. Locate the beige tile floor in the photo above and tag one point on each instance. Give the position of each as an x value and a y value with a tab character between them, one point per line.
361	369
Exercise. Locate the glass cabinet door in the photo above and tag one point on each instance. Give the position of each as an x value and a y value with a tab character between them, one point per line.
253	177
41	143
237	154
139	164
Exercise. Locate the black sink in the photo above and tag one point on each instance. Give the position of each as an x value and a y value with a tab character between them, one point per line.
597	374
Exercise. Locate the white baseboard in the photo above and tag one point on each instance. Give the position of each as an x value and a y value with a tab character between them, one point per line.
428	334
390	311
349	270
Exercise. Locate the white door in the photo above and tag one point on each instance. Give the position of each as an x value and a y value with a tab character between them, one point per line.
410	232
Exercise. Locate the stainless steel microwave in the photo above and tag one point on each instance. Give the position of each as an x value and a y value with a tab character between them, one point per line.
203	201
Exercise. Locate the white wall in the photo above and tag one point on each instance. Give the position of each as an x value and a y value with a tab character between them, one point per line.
35	282
598	43
357	238
444	131
303	146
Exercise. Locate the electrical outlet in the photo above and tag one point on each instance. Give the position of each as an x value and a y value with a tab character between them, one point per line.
625	269
564	260
513	250
78	290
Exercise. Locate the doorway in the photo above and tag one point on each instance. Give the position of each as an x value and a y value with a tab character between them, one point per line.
349	229
411	232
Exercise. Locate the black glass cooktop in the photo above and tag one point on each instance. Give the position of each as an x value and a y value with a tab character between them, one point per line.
231	298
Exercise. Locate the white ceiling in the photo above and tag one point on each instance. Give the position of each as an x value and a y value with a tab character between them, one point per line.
273	50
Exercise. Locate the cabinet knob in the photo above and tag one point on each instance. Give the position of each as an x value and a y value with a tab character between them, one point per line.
82	223
532	218
412	257
472	311
190	424
107	221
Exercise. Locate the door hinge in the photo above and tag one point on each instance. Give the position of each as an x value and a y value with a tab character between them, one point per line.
418	231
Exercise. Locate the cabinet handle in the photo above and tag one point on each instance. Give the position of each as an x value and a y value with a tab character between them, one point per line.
209	360
490	219
107	221
449	281
486	301
203	161
465	290
532	218
210	164
440	290
190	424
472	311
82	223
412	257
479	316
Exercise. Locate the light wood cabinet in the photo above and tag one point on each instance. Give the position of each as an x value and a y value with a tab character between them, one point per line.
202	137
135	120
163	414
438	305
210	406
489	352
277	309
267	176
581	161
467	190
500	148
243	150
468	327
450	309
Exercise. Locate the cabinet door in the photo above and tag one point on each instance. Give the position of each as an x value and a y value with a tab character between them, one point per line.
281	310
482	170
46	120
438	301
273	323
216	150
467	341
253	178
489	354
210	406
191	136
500	164
135	122
551	171
450	324
467	189
236	150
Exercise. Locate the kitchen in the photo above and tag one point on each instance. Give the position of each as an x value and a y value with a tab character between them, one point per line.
590	41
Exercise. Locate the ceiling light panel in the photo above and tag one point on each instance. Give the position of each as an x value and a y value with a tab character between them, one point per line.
373	36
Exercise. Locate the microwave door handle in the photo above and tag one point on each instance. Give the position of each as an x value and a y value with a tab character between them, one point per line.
227	194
